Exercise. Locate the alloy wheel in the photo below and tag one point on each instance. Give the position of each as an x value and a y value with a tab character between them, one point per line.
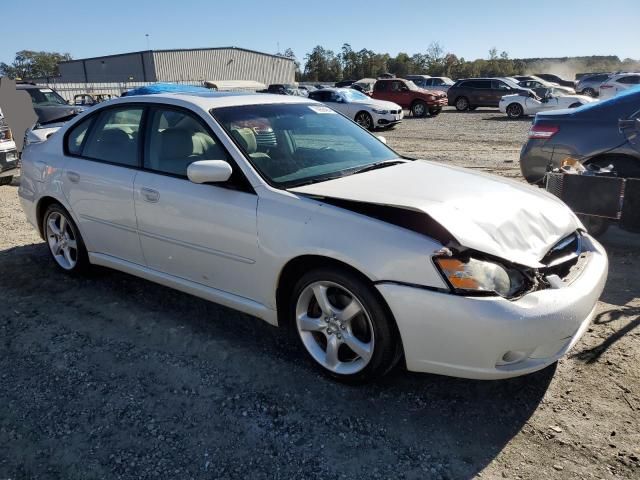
462	104
364	120
62	240
419	109
514	110
335	327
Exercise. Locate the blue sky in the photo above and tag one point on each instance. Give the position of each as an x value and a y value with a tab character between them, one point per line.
540	28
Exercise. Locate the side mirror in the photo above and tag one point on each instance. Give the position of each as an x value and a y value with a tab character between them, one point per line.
404	88
382	139
209	171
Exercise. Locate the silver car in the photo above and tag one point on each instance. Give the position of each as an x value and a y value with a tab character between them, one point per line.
591	85
431	83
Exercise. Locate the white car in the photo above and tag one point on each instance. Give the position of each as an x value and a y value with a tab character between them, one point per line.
516	106
618	83
428	82
367	256
364	110
8	153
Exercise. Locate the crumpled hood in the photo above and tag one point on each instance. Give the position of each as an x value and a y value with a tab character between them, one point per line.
500	217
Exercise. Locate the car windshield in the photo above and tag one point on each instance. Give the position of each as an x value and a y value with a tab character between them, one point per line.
355	96
411	85
296	144
45	97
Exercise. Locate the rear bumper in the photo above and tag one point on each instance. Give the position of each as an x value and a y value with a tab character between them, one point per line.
491	337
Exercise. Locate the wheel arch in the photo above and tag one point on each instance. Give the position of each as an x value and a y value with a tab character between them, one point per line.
297	266
42	206
630	160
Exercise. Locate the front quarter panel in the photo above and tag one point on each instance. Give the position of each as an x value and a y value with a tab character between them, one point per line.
291	225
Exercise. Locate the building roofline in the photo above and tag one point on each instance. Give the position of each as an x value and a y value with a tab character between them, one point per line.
139	52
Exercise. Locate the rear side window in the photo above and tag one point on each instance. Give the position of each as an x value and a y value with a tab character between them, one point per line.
630	80
498	85
114	136
76	137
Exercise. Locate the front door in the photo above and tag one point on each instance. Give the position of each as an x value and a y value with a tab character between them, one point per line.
100	168
198	232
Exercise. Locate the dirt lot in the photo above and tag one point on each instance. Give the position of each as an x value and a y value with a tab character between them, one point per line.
113	377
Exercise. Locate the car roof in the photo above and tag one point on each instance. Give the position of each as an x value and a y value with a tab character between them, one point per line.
209	100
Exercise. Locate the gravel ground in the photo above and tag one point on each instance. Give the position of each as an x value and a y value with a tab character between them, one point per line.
110	376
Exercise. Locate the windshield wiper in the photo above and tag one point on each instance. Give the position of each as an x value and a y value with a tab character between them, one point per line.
375	166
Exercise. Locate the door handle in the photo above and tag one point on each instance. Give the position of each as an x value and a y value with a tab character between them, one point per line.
73	177
150	195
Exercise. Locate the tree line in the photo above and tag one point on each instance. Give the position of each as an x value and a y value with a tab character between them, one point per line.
323	65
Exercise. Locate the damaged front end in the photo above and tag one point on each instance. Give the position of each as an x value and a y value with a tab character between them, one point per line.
471	273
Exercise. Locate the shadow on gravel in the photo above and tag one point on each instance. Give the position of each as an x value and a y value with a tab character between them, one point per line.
111	376
592	355
507	119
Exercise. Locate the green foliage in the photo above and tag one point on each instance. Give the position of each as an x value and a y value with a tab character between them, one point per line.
323	65
29	64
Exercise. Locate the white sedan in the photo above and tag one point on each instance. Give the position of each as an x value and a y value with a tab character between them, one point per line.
367	256
364	110
516	106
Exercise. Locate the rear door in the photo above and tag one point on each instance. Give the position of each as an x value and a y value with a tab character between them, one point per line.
102	158
498	90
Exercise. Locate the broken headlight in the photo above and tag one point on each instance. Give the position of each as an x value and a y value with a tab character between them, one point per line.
474	276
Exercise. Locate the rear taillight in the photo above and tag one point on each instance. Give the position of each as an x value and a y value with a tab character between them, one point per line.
5	134
606	86
543	131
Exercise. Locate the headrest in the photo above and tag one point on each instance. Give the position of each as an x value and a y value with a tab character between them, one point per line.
114	135
176	143
246	138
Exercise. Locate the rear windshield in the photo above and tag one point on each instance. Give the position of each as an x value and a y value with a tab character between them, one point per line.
45	97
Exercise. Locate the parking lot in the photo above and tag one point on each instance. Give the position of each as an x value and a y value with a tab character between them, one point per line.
110	376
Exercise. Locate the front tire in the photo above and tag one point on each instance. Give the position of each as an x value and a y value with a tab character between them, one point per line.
364	120
343	325
462	104
515	110
419	109
64	241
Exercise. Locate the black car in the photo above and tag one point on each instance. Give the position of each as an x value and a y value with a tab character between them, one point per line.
600	133
344	83
550	77
471	93
48	104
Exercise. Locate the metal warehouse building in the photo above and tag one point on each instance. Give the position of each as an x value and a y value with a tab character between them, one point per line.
227	63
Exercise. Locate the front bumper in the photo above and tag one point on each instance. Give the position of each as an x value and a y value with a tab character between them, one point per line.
8	162
491	337
387	119
438	102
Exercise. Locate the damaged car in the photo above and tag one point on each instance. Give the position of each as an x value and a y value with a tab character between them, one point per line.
369	258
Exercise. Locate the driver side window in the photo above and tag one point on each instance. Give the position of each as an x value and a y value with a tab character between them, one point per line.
175	140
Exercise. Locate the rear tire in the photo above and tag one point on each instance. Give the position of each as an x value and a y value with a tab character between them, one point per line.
5	180
462	104
590	92
343	325
64	241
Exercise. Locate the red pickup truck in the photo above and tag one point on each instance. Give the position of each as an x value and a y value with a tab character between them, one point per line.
406	94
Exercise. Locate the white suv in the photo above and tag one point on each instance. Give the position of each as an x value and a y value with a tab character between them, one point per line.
618	83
